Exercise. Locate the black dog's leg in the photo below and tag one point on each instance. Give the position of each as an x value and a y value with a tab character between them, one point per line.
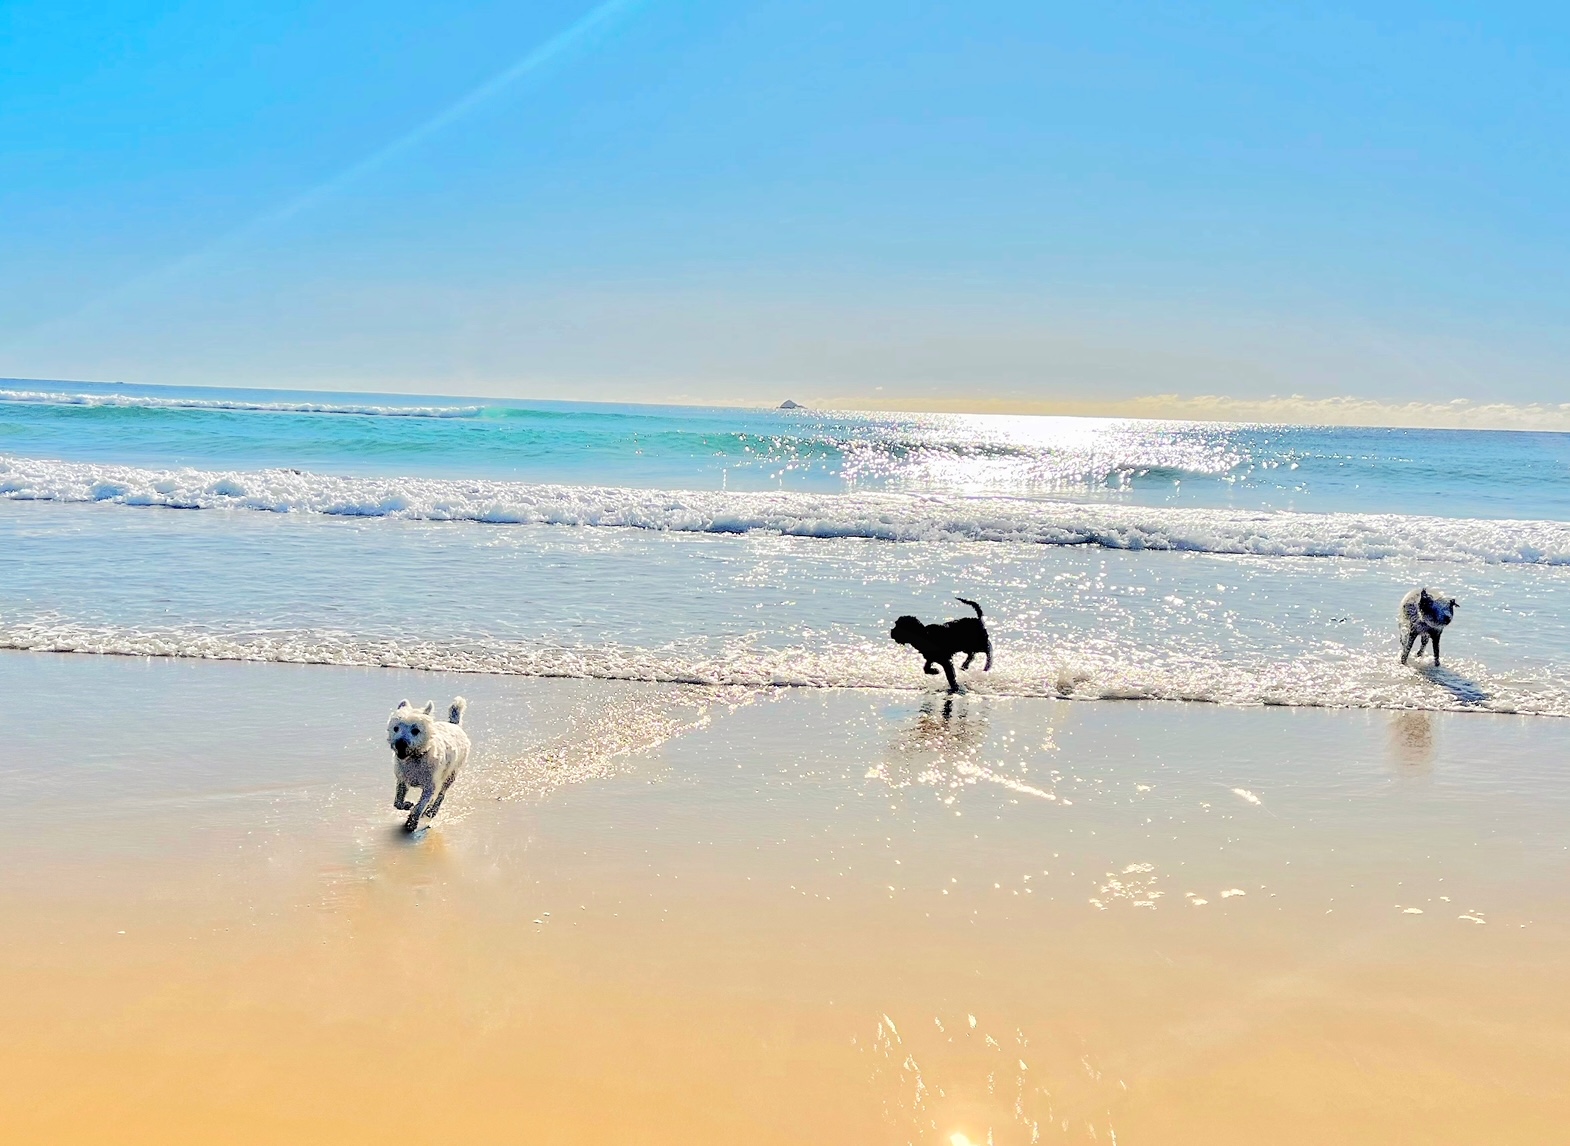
930	669
988	650
948	667
1436	648
401	799
968	658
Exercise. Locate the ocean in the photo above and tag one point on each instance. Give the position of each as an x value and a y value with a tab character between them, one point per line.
1115	558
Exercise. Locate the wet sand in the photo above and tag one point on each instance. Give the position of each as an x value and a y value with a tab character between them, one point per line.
654	914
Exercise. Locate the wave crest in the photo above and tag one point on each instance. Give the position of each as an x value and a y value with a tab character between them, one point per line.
873	516
143	402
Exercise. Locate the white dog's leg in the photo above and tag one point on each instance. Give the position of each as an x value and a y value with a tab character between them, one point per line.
1406	645
401	797
413	821
436	805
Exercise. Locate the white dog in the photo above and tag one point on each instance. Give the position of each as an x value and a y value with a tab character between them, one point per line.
1423	617
428	754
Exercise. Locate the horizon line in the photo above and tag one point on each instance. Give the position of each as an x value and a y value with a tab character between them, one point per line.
1291	410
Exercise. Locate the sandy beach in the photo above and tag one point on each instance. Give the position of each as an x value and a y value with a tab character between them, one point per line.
666	914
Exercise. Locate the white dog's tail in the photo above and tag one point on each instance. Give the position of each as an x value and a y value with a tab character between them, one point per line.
455	710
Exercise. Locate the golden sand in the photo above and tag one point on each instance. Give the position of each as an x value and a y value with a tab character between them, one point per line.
793	918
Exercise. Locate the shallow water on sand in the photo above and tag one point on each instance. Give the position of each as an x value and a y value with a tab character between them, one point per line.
660	913
1067	621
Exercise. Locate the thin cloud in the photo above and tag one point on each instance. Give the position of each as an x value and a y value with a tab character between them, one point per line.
1460	413
597	19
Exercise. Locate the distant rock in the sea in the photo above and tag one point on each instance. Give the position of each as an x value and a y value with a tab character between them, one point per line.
789	405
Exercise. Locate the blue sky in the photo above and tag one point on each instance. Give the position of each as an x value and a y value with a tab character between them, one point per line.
996	204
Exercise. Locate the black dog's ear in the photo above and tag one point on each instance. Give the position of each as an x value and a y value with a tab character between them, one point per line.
1423	595
1454	604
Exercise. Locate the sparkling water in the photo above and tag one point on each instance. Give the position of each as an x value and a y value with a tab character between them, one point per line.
1242	564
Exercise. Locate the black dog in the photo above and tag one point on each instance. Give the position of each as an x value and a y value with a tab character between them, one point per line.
939	644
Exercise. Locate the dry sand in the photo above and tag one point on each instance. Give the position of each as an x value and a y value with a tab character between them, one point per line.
659	915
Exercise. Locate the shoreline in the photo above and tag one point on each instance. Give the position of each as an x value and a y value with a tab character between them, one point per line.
766	686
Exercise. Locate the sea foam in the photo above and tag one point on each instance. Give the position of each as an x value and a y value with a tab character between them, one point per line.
145	402
1104	669
880	516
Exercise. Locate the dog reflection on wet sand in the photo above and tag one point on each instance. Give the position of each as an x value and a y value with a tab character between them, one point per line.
1411	739
948	725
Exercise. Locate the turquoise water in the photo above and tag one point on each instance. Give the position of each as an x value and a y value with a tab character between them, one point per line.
1235	563
1448	473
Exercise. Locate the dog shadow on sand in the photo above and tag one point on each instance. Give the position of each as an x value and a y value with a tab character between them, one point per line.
398	837
1463	688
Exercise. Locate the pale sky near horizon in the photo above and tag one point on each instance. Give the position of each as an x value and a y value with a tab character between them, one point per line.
999	205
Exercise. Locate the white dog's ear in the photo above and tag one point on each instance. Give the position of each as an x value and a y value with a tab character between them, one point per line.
402	704
430	707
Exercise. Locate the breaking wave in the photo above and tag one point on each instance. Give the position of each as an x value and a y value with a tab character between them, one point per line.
139	401
880	516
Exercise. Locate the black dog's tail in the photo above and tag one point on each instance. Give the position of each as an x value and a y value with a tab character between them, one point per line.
973	605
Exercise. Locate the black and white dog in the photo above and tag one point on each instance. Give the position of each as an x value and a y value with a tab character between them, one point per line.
1423	617
940	644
